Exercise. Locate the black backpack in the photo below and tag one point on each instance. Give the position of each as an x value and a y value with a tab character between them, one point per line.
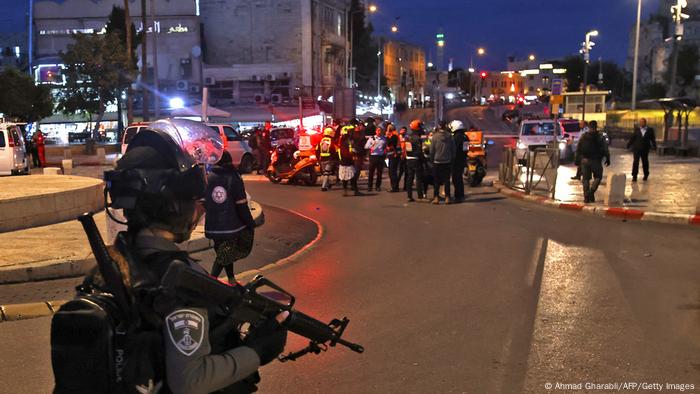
96	347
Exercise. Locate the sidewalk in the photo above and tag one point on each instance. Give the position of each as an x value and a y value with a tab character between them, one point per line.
61	250
673	186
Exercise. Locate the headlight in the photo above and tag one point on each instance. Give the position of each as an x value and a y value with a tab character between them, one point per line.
562	144
521	145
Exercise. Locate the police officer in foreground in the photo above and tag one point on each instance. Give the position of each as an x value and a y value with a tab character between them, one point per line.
591	150
160	185
412	151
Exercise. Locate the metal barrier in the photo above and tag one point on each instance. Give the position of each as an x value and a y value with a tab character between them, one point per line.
533	173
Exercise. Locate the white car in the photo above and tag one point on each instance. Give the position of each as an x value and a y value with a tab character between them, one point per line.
237	146
13	154
538	134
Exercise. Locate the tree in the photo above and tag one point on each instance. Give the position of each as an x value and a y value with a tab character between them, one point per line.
364	50
20	98
117	24
95	68
654	91
688	58
614	79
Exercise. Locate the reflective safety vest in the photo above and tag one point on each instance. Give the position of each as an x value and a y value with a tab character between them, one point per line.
325	145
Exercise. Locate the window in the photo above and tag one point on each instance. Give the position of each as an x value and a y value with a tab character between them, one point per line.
2	139
538	129
231	134
339	23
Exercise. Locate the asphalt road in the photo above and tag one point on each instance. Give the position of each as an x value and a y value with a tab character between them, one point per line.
489	296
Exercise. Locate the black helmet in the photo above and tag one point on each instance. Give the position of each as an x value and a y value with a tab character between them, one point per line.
159	179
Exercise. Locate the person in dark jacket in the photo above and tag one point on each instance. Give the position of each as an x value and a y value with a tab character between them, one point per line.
442	154
393	153
591	150
402	162
357	148
642	140
460	162
228	219
412	152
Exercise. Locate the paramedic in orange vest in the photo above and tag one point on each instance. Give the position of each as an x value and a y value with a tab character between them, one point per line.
327	154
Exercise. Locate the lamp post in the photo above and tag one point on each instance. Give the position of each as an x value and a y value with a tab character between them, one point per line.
678	17
586	51
636	56
351	32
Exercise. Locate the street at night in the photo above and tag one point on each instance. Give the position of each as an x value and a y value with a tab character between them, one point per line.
349	196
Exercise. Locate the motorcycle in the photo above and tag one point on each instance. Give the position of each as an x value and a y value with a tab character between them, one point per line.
476	158
287	163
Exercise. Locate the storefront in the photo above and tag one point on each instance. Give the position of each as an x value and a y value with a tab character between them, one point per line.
67	130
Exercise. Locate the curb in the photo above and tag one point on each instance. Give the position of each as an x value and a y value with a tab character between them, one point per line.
609	212
57	269
40	309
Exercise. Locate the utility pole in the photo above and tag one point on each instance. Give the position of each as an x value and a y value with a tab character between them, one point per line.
636	56
156	28
129	61
30	46
586	51
678	17
144	61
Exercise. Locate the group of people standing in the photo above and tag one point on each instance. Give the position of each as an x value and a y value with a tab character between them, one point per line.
438	158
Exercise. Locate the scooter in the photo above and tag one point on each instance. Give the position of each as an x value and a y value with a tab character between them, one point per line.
476	158
287	163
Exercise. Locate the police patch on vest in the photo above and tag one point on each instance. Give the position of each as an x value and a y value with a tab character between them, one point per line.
186	330
219	195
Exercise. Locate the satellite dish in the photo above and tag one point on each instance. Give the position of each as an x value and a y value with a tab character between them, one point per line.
196	51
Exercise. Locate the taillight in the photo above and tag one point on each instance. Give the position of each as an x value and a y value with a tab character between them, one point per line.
10	140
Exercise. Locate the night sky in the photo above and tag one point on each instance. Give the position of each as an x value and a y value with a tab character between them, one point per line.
547	28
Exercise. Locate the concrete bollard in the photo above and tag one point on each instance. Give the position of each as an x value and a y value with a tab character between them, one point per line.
51	170
101	155
67	165
67	154
615	193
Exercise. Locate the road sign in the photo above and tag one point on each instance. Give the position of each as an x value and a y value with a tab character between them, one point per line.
558	100
557	85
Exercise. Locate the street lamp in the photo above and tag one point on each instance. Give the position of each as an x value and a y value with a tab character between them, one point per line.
394	29
586	51
636	56
351	22
532	58
372	8
481	51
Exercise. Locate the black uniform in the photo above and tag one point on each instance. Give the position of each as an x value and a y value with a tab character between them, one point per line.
413	155
640	145
228	219
393	153
358	154
591	150
459	163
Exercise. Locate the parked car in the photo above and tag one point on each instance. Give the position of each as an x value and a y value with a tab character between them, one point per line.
570	133
237	146
538	134
130	132
13	153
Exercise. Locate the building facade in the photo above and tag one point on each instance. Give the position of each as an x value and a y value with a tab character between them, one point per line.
537	77
656	42
267	51
405	72
13	50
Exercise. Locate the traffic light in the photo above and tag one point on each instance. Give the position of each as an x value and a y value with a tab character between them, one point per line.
483	75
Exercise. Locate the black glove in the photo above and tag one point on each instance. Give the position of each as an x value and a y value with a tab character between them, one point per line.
607	162
267	340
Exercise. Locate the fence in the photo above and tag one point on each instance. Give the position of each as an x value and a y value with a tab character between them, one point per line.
534	172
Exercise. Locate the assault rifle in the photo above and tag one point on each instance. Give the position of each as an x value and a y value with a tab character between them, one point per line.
251	306
198	289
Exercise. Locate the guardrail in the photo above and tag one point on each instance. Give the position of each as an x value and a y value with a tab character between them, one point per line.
533	173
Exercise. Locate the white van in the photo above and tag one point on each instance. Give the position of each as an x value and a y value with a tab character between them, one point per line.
237	146
538	134
13	154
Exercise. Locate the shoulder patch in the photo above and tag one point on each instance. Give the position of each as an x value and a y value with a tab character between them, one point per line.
219	195
186	330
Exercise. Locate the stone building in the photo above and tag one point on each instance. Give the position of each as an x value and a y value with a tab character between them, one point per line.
263	50
405	72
